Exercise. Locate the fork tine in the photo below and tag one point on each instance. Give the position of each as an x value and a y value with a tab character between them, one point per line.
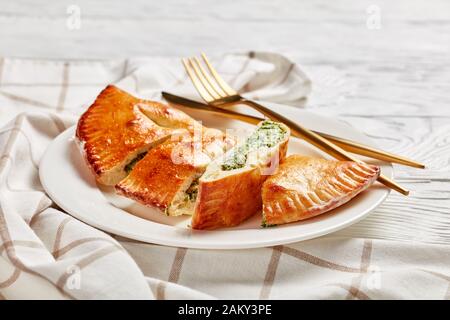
197	84
218	78
211	81
203	80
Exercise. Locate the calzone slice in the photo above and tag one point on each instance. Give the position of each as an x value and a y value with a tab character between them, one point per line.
167	176
304	187
230	190
118	128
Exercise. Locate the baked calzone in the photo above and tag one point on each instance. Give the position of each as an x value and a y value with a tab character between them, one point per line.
304	187
167	176
118	128
229	191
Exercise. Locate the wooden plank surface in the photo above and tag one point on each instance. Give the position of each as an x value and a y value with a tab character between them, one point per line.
391	82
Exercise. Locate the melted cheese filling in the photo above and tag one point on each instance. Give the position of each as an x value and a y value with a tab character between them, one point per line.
266	136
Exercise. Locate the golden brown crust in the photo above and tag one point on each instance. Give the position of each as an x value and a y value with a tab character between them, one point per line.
230	200
118	125
169	168
166	116
156	179
304	187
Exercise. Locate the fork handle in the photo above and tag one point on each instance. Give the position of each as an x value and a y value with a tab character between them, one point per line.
319	142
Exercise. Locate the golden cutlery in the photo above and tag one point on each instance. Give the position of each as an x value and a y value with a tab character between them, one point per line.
347	145
215	91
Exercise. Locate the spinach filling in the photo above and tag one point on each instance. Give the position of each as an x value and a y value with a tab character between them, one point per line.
264	224
267	135
133	162
192	191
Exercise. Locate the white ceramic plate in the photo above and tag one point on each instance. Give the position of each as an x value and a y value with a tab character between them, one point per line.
68	181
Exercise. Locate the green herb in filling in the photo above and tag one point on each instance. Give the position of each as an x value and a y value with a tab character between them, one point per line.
267	135
192	191
236	160
133	162
264	224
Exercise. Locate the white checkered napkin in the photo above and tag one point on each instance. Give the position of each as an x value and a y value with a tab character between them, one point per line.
45	253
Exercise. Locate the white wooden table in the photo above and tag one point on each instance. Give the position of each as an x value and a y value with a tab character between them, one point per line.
384	67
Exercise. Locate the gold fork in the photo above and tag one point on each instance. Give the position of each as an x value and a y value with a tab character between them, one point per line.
215	91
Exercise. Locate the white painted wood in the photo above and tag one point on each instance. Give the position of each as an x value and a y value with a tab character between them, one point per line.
393	83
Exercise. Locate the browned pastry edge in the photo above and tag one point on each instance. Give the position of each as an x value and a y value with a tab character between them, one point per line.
285	202
118	126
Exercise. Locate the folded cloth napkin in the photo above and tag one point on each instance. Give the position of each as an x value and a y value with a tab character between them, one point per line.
47	254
